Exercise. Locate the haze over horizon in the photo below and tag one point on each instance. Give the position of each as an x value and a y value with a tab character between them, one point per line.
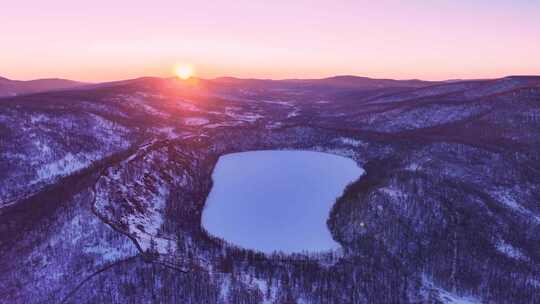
250	39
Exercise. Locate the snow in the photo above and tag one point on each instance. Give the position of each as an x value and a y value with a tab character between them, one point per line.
64	166
111	254
213	126
110	134
509	250
142	103
277	200
251	117
444	295
96	246
169	132
414	118
279	102
223	124
195	121
186	105
247	92
262	285
274	125
506	197
451	298
350	153
350	141
80	232
42	146
494	87
38	118
145	224
245	116
412	167
293	113
143	186
106	132
226	285
81	243
224	288
422	92
49	155
392	192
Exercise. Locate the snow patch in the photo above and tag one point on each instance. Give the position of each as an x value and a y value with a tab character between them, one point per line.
38	118
248	117
392	192
169	132
509	250
293	113
225	288
64	166
443	295
195	121
350	141
412	167
279	102
269	292
186	105
136	101
505	197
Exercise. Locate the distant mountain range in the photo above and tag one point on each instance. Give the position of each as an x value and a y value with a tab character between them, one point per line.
342	83
336	82
10	87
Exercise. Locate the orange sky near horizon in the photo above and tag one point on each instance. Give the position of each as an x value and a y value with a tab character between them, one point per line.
432	40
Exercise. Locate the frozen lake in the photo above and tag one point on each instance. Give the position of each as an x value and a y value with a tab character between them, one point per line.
277	200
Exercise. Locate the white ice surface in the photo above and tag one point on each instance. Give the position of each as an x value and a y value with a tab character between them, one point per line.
277	200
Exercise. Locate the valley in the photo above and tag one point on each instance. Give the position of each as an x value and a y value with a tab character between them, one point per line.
116	178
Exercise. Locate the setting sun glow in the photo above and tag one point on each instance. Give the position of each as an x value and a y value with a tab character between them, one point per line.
183	71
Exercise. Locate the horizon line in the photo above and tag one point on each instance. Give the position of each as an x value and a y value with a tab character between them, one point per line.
270	79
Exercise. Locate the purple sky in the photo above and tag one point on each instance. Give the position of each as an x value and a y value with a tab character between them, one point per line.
105	40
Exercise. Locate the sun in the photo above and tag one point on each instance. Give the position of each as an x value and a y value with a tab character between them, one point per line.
184	71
